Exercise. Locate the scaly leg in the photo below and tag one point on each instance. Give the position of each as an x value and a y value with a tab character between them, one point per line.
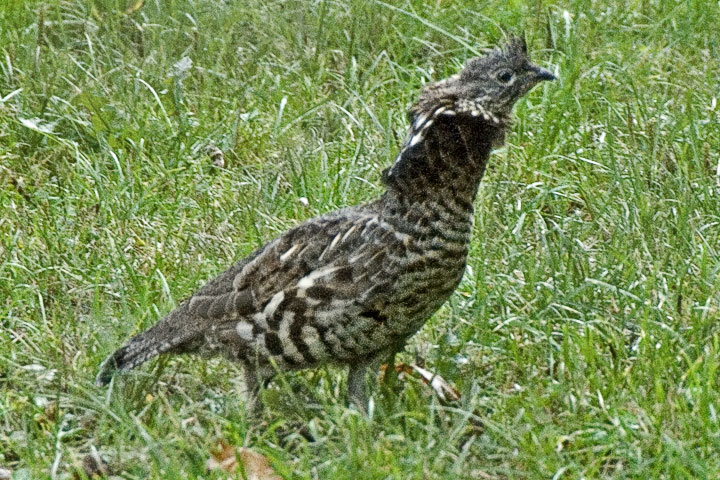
390	378
356	391
254	380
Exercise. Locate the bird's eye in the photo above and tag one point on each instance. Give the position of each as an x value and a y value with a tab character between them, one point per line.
505	76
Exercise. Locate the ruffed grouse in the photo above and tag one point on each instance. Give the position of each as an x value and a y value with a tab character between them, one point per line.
350	287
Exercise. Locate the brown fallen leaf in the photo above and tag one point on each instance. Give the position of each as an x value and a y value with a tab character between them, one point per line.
222	457
440	386
228	459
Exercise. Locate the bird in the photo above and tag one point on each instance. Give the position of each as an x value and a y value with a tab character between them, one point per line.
350	287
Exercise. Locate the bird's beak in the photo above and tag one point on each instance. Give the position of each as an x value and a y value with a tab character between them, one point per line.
542	74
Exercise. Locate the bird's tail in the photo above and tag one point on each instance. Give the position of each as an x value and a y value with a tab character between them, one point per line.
174	333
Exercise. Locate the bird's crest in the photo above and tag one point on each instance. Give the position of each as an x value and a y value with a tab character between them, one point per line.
487	87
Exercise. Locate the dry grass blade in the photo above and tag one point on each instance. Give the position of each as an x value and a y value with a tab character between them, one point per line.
135	7
439	385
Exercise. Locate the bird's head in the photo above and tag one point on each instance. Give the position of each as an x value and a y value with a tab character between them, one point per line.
486	88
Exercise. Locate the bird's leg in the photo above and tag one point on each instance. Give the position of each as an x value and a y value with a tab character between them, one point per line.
357	396
253	404
391	375
254	380
356	391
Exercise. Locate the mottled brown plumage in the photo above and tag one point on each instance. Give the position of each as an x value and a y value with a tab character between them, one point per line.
350	287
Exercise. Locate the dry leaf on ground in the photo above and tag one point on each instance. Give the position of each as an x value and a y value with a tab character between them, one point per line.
228	459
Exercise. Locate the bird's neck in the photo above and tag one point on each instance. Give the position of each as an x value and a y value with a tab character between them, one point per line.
442	162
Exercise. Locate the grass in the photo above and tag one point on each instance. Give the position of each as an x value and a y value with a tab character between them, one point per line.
584	338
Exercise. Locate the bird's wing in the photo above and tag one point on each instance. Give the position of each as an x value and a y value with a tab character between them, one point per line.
310	295
325	258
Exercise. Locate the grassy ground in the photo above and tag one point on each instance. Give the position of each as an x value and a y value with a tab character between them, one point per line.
584	338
